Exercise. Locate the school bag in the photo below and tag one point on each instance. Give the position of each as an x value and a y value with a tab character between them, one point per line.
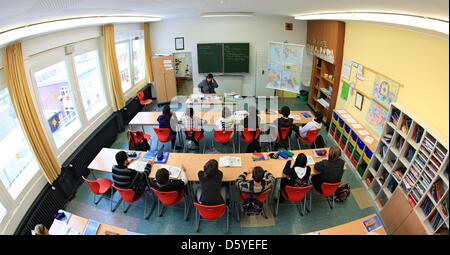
319	142
137	142
342	193
252	206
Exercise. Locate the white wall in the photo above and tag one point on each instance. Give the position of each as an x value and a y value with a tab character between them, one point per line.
256	30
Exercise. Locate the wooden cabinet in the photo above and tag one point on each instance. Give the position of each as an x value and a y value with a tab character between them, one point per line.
164	76
411	226
395	211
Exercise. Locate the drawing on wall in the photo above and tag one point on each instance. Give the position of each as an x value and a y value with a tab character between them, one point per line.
384	90
183	64
376	117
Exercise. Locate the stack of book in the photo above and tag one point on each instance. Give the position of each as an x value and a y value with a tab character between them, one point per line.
427	206
399	172
440	155
417	134
428	145
387	138
437	190
395	116
392	185
445	207
435	220
383	150
426	178
406	124
410	153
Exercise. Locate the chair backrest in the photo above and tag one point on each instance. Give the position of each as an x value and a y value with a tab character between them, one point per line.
311	135
93	185
296	194
328	189
222	136
137	137
198	135
126	194
167	198
140	96
162	134
210	212
263	196
284	133
248	135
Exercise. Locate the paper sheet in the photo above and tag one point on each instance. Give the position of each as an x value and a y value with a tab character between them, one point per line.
295	117
363	132
346	116
346	69
351	120
138	165
357	126
309	161
173	170
341	111
368	139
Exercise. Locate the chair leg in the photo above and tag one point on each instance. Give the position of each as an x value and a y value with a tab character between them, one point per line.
298	143
310	202
128	207
228	220
276	209
117	205
197	221
186	218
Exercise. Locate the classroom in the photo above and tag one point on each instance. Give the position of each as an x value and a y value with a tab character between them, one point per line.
224	117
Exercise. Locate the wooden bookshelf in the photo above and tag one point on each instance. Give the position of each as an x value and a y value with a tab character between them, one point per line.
410	160
329	35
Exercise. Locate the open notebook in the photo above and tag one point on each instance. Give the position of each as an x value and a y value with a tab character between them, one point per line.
138	165
229	161
174	171
61	228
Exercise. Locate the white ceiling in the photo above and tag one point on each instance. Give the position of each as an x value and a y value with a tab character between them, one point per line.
15	13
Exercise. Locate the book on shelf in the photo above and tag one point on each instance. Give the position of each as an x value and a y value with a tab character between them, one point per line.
417	135
410	154
436	220
387	138
435	162
394	117
406	124
427	206
411	201
445	207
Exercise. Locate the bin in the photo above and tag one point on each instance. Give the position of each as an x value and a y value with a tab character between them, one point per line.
303	96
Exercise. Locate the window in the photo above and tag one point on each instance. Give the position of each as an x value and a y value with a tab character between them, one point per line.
17	163
90	83
57	102
138	60
123	61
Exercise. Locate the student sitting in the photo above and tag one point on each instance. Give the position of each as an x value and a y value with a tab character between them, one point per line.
169	120
262	181
330	170
312	125
126	178
163	183
252	121
226	121
284	122
298	174
191	122
211	191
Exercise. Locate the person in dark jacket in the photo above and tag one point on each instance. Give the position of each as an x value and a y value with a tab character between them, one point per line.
211	191
169	120
283	122
163	183
252	121
126	178
298	174
330	170
208	85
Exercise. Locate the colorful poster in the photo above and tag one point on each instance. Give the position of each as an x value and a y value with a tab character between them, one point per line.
285	66
384	90
376	117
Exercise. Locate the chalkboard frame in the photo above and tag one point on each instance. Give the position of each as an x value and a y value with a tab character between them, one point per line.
222	72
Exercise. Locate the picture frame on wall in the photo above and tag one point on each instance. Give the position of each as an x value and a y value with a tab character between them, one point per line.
179	43
359	100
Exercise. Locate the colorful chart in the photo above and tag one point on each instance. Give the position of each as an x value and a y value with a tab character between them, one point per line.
285	66
376	117
384	90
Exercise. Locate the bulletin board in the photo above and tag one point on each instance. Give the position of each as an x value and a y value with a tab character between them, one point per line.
378	90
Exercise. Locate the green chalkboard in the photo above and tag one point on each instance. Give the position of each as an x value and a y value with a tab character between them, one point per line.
223	57
210	57
236	57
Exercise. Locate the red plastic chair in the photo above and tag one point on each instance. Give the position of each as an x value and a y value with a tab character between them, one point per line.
143	102
285	132
262	197
328	190
198	136
138	137
248	135
210	213
310	138
162	135
129	196
296	195
99	186
222	136
169	198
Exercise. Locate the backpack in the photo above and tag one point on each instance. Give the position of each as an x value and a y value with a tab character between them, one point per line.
342	193
319	142
252	206
138	142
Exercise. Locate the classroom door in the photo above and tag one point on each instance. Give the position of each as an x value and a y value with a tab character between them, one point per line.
261	75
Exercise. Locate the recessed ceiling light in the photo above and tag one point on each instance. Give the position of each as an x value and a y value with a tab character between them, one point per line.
226	14
399	19
55	25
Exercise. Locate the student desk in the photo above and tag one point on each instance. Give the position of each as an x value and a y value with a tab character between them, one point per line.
79	223
351	228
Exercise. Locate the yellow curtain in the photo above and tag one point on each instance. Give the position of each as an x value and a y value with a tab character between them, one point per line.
112	67
26	112
148	52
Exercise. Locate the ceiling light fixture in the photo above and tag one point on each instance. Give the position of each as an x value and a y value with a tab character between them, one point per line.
226	14
14	34
399	19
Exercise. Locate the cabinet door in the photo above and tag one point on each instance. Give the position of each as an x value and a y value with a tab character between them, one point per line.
160	87
411	226
171	85
396	210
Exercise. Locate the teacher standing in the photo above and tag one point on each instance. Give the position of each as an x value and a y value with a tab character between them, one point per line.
208	85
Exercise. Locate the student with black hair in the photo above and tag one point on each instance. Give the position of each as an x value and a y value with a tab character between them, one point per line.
208	85
126	178
211	190
312	125
252	121
163	183
284	122
169	120
298	174
262	180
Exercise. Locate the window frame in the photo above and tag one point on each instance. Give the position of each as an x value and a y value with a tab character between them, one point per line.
130	66
144	64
